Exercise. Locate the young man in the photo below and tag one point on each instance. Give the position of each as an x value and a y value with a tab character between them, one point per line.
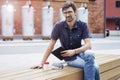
71	32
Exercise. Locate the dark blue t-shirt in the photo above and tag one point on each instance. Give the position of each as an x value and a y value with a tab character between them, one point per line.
70	39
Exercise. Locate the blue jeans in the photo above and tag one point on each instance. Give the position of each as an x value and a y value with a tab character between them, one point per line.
86	61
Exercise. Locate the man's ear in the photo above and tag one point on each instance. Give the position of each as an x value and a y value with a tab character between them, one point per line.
76	13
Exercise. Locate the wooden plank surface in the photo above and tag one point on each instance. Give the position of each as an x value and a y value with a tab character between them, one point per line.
109	65
115	77
110	73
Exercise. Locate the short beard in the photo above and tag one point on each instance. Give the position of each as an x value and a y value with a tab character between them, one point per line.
69	20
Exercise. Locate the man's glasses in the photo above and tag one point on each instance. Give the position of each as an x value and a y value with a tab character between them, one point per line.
68	12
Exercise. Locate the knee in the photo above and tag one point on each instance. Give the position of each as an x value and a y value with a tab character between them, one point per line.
89	54
89	57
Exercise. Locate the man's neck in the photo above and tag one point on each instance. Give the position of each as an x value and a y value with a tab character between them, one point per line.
71	24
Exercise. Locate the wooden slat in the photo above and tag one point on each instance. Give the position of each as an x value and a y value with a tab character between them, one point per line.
111	73
28	75
14	72
68	73
109	65
115	77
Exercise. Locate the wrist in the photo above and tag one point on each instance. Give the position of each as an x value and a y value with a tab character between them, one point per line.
42	62
74	51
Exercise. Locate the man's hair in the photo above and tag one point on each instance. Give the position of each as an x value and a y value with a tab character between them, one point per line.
68	4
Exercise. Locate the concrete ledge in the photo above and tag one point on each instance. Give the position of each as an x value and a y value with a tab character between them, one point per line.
39	36
115	33
97	35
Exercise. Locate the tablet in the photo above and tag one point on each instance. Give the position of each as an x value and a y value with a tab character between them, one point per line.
57	53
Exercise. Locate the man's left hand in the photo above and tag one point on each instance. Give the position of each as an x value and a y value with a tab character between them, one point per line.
67	53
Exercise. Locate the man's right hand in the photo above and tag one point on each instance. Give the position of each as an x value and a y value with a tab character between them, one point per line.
37	67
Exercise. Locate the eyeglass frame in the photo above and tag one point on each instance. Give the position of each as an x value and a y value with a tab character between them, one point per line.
68	12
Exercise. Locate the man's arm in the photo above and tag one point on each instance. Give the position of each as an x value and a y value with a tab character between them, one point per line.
47	53
49	50
85	47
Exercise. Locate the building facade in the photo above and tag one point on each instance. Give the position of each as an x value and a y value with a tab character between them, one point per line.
112	14
95	19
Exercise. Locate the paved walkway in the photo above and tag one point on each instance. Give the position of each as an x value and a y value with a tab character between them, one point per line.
18	54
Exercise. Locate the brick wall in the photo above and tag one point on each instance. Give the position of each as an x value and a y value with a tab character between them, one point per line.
96	14
111	9
96	17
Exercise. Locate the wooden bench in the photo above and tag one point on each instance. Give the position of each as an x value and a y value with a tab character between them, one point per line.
109	70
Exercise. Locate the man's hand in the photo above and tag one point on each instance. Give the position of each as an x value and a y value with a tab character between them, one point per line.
37	67
68	53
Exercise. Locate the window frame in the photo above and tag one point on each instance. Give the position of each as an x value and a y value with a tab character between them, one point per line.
117	4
